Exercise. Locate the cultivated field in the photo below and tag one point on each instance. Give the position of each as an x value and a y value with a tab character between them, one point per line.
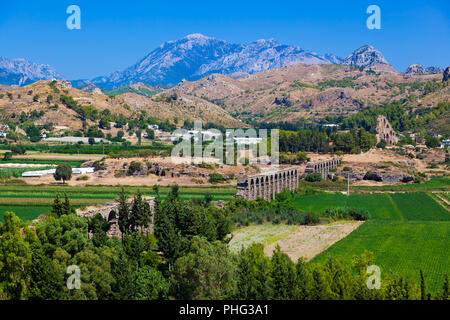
28	202
407	231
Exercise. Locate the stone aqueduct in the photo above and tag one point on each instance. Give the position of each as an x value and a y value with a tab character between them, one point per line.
266	185
323	167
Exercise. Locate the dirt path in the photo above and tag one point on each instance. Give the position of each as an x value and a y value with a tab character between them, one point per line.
309	241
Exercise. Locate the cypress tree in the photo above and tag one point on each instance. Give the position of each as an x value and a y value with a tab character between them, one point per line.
57	207
66	207
123	213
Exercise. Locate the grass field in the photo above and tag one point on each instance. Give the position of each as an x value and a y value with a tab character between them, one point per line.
28	201
108	192
381	206
407	231
24	212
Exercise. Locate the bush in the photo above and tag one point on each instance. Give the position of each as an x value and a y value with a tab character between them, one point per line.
340	213
17	149
432	142
314	177
381	144
215	178
372	176
135	166
7	156
311	217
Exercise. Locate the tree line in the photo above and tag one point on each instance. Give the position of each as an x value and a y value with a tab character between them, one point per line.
353	141
187	257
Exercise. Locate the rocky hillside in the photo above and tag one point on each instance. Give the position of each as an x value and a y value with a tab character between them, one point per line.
21	72
46	96
312	91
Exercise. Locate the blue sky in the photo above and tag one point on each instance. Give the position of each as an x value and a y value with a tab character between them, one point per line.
115	35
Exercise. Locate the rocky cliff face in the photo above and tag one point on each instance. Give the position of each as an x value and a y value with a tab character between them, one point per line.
21	72
446	75
196	56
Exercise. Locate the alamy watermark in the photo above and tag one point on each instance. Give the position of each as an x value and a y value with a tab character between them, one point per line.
74	281
74	20
374	278
374	20
244	146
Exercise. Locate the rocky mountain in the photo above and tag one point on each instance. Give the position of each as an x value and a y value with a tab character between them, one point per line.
368	57
91	88
196	56
418	69
22	72
434	69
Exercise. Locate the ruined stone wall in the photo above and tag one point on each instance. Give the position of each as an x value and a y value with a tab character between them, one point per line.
110	211
266	185
385	131
323	167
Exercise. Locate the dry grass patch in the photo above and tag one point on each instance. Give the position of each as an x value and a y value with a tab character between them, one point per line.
309	241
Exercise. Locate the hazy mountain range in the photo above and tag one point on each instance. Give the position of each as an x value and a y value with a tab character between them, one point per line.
196	56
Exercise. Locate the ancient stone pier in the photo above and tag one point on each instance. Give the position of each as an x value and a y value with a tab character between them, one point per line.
323	167
266	185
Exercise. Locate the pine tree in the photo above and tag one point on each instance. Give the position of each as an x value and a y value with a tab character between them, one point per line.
66	207
140	214
303	280
318	287
123	213
57	207
283	275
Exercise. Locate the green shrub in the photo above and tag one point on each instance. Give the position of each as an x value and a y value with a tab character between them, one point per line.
215	178
314	177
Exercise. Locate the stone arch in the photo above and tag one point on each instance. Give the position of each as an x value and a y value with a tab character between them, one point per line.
111	215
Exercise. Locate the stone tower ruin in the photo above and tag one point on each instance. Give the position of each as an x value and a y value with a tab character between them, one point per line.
385	131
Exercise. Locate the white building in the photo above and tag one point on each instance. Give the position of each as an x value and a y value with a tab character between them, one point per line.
40	173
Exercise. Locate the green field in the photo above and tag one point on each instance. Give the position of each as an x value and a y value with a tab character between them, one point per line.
24	212
407	231
108	192
28	201
390	206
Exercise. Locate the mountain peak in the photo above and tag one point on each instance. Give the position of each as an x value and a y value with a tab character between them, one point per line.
196	36
365	56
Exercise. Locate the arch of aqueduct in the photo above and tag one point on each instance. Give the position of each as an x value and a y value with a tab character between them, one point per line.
323	167
266	185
